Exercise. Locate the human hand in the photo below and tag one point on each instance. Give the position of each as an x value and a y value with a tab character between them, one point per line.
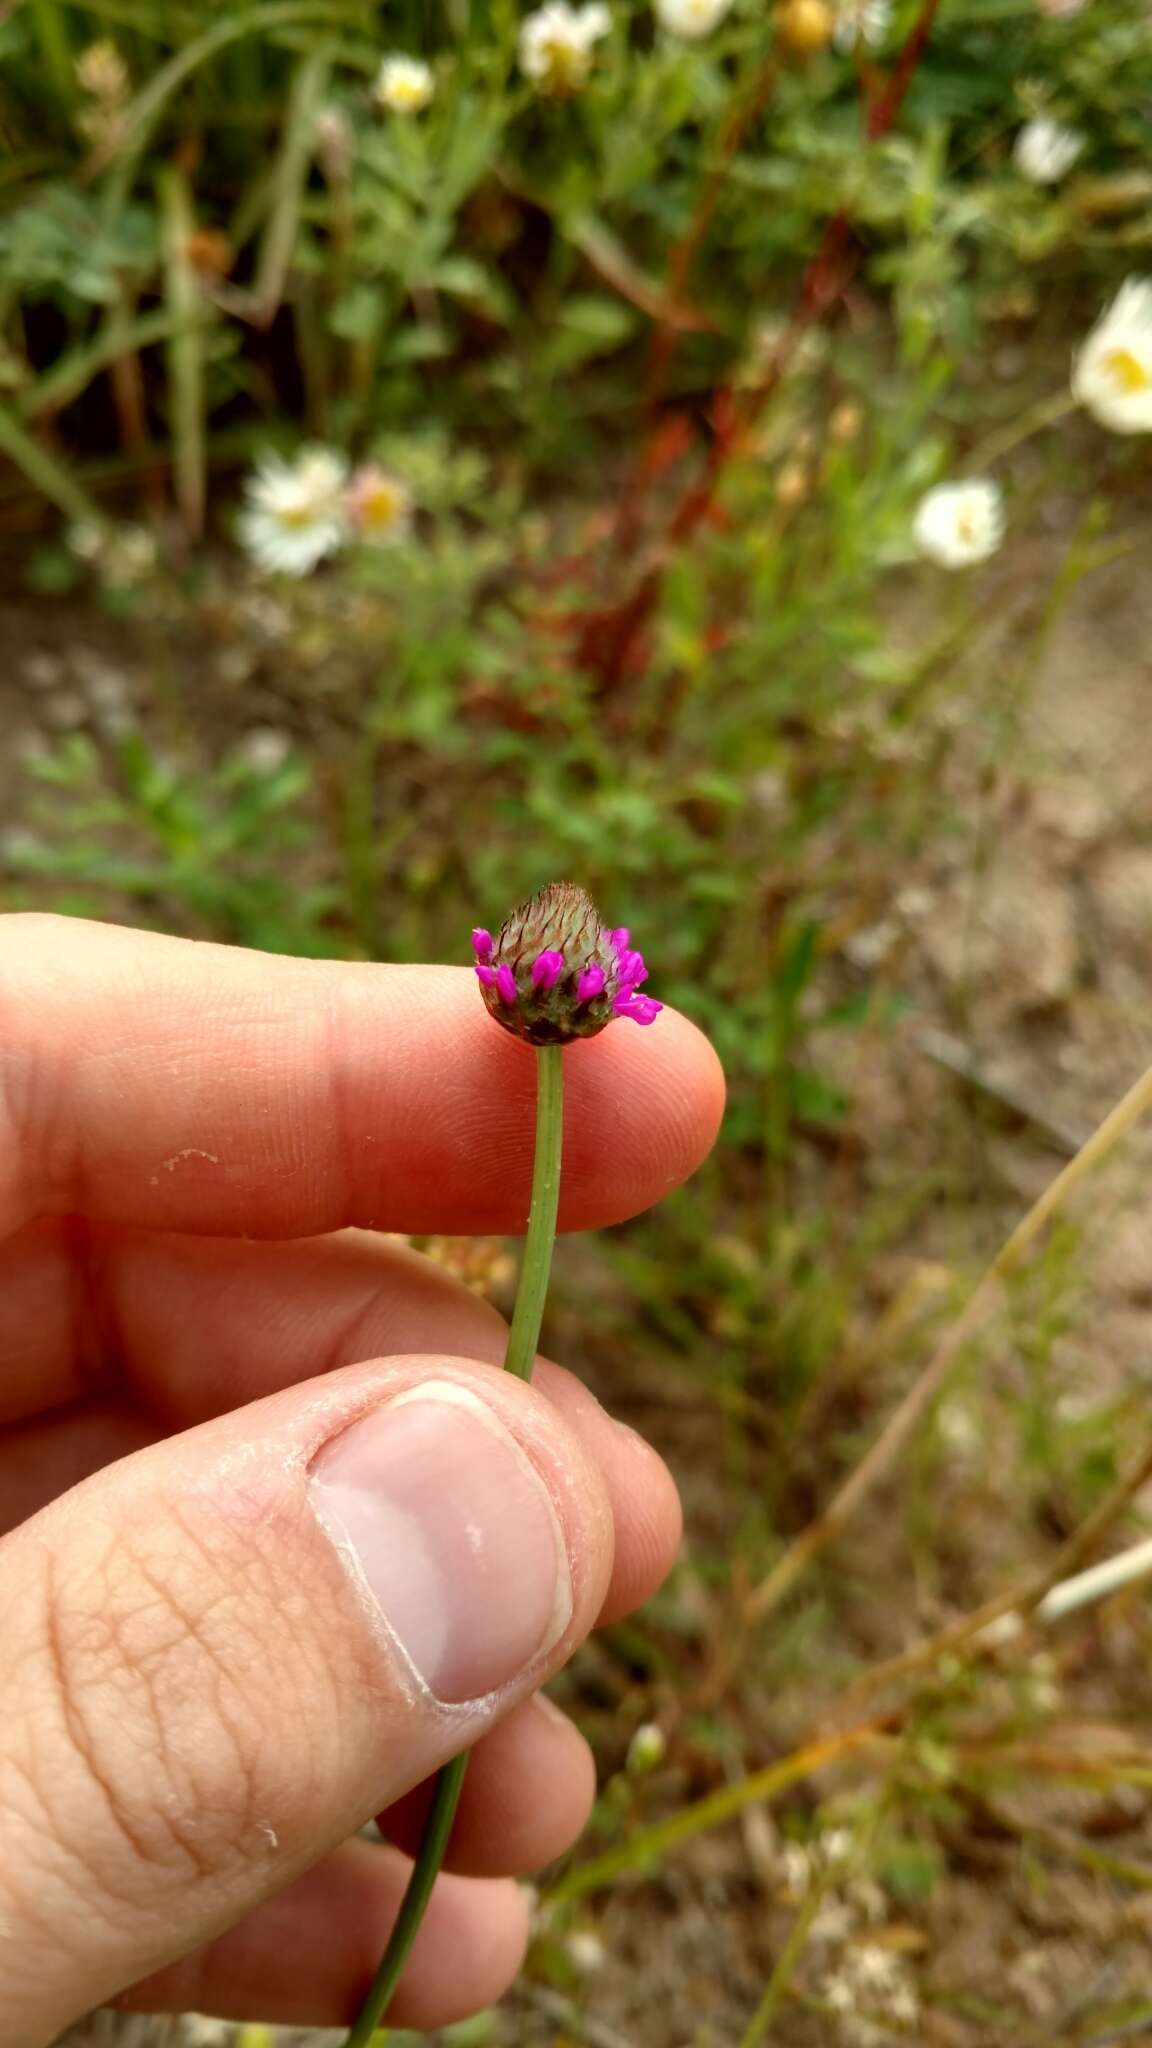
200	1698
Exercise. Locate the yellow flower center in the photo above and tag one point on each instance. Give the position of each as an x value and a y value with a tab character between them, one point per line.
407	92
966	525
567	64
295	517
1127	371
379	508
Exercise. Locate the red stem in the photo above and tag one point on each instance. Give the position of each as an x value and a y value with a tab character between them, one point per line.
606	640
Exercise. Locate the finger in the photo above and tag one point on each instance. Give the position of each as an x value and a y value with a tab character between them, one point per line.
228	1651
179	1329
526	1799
154	1081
306	1957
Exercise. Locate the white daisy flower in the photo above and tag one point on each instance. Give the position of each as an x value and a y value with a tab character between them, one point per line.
691	18
404	85
555	45
295	512
379	506
958	525
1046	150
1112	375
862	21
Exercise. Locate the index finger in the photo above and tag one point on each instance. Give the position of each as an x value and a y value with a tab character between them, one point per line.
182	1086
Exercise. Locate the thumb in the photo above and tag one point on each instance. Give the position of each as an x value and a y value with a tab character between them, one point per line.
230	1650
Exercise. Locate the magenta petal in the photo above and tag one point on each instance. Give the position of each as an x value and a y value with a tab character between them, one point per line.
632	969
591	983
506	983
482	943
619	938
641	1009
547	969
485	975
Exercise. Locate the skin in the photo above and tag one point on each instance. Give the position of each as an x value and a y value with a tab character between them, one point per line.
199	1149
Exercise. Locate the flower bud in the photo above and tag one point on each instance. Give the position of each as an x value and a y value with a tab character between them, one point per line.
806	26
646	1750
555	973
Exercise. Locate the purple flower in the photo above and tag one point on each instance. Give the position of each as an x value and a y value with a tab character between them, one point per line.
555	973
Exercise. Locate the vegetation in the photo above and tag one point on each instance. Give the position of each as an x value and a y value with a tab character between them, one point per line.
634	369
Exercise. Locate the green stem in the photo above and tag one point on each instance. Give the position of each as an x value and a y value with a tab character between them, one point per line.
996	446
519	1357
528	1314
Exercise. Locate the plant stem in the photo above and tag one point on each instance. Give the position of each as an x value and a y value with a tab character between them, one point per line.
519	1357
528	1314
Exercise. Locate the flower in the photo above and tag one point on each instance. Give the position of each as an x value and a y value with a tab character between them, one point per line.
379	506
295	511
691	18
555	46
555	973
1045	150
1112	375
862	21
585	1950
101	71
647	1748
960	524
404	85
806	26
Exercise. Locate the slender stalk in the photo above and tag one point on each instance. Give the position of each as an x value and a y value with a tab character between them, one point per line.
776	1988
189	312
528	1314
45	472
519	1357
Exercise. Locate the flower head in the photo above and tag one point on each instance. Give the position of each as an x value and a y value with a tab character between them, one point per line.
1045	150
1112	376
378	505
958	525
691	18
862	22
555	46
101	71
404	85
554	972
295	511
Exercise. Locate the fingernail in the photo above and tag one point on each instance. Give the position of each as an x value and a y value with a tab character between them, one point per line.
450	1528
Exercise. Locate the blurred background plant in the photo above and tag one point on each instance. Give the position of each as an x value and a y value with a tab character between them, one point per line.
446	447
